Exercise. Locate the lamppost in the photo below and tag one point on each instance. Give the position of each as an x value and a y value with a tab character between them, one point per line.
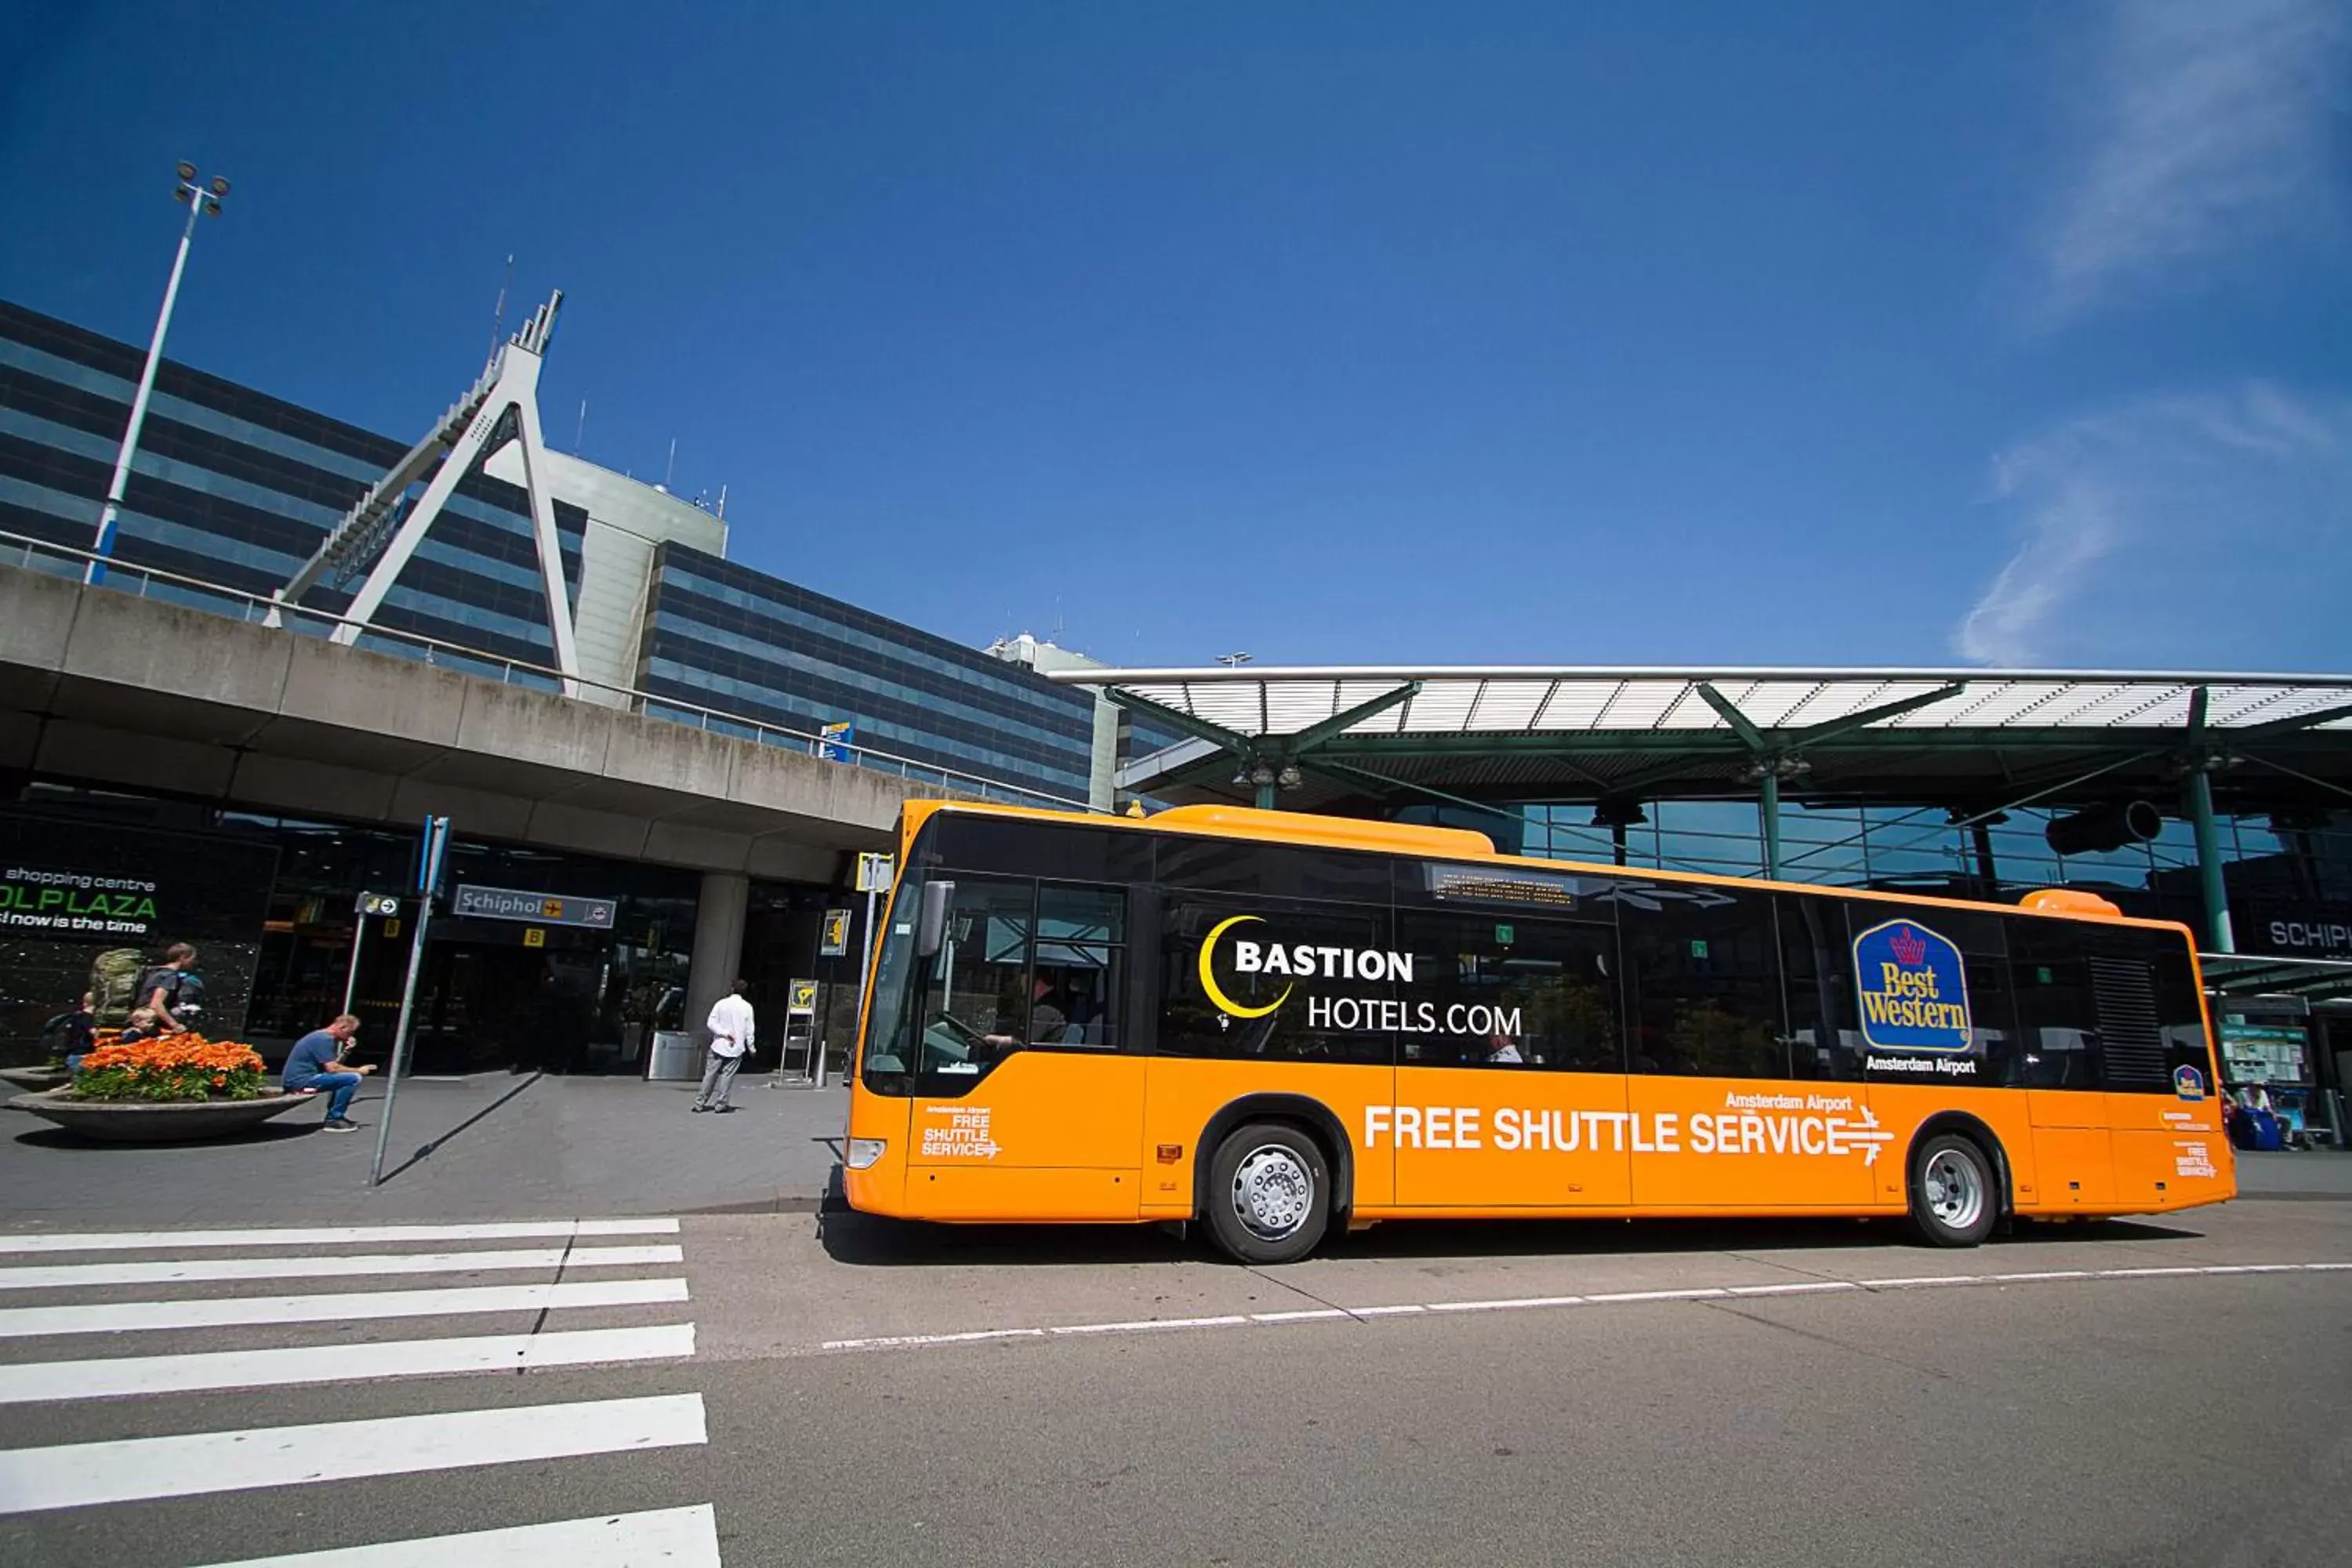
198	200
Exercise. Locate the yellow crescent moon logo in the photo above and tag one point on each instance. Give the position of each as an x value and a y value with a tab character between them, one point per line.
1209	978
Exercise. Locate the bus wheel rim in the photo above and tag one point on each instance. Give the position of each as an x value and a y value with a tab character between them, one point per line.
1955	1190
1274	1191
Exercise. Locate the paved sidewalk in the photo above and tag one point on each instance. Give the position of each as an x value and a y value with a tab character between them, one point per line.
2309	1173
510	1146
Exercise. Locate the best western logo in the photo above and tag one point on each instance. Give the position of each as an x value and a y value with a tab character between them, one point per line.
1913	987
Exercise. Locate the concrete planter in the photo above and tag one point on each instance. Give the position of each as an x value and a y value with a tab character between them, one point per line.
35	1077
155	1122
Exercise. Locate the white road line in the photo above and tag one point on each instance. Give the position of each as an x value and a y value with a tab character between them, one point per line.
1514	1304
1612	1299
111	1377
974	1336
673	1537
80	1475
331	1235
172	1271
115	1317
1146	1324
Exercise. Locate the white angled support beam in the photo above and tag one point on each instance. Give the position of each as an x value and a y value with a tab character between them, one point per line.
454	467
512	383
537	482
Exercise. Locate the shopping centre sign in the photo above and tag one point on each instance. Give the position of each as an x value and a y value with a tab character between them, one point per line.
536	909
59	901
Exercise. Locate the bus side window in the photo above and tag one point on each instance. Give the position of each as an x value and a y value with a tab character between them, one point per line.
1824	1027
1081	964
2057	1013
1268	994
1703	982
1502	990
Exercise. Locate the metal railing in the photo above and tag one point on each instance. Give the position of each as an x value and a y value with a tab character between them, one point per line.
215	598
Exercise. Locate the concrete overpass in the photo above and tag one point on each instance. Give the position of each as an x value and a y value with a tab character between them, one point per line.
102	687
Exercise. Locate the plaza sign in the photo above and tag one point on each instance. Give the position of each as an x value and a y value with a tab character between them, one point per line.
534	908
76	903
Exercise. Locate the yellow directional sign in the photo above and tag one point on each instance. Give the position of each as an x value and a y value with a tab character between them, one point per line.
534	936
836	942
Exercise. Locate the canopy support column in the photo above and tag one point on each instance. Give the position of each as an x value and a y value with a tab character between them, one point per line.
2208	861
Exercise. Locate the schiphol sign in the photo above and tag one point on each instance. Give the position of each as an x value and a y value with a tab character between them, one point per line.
534	908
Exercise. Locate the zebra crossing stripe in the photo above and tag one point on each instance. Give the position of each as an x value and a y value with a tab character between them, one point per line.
178	1271
117	1317
113	1377
82	1474
672	1537
332	1236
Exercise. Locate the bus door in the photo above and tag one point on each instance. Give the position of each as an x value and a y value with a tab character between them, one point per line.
1510	1087
1028	1105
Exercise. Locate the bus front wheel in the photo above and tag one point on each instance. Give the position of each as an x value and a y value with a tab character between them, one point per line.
1954	1201
1269	1194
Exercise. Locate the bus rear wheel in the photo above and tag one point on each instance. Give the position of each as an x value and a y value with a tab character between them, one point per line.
1953	1199
1269	1194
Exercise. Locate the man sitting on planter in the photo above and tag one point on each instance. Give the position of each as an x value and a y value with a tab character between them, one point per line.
317	1063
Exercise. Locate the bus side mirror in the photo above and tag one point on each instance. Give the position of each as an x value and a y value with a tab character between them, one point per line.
930	931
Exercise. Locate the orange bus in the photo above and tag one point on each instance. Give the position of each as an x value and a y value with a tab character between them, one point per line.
1276	1024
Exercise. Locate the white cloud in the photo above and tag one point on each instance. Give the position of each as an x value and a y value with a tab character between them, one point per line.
2206	127
2214	527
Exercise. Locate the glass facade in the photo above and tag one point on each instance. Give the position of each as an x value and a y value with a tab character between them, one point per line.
270	902
719	635
233	486
2283	874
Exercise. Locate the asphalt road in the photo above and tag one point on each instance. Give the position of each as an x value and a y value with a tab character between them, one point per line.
870	1394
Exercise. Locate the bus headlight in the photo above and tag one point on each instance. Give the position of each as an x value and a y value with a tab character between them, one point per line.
864	1151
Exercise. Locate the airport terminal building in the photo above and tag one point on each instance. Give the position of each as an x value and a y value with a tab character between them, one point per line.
2218	800
234	487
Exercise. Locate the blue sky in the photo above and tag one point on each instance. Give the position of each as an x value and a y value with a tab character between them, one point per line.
1359	332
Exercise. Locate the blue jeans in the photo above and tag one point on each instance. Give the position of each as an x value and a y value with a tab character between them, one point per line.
344	1084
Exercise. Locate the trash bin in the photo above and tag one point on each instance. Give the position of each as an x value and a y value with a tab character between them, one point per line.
677	1056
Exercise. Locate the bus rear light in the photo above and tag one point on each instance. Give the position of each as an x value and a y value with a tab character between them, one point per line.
864	1151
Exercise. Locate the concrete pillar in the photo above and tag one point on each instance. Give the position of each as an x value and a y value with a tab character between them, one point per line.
1103	768
717	957
2208	861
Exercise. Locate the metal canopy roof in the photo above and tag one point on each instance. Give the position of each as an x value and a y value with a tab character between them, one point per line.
1580	731
1569	699
2244	976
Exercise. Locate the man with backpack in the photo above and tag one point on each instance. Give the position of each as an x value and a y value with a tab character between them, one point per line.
170	986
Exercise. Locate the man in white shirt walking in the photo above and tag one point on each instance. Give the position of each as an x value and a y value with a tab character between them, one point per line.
731	1034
